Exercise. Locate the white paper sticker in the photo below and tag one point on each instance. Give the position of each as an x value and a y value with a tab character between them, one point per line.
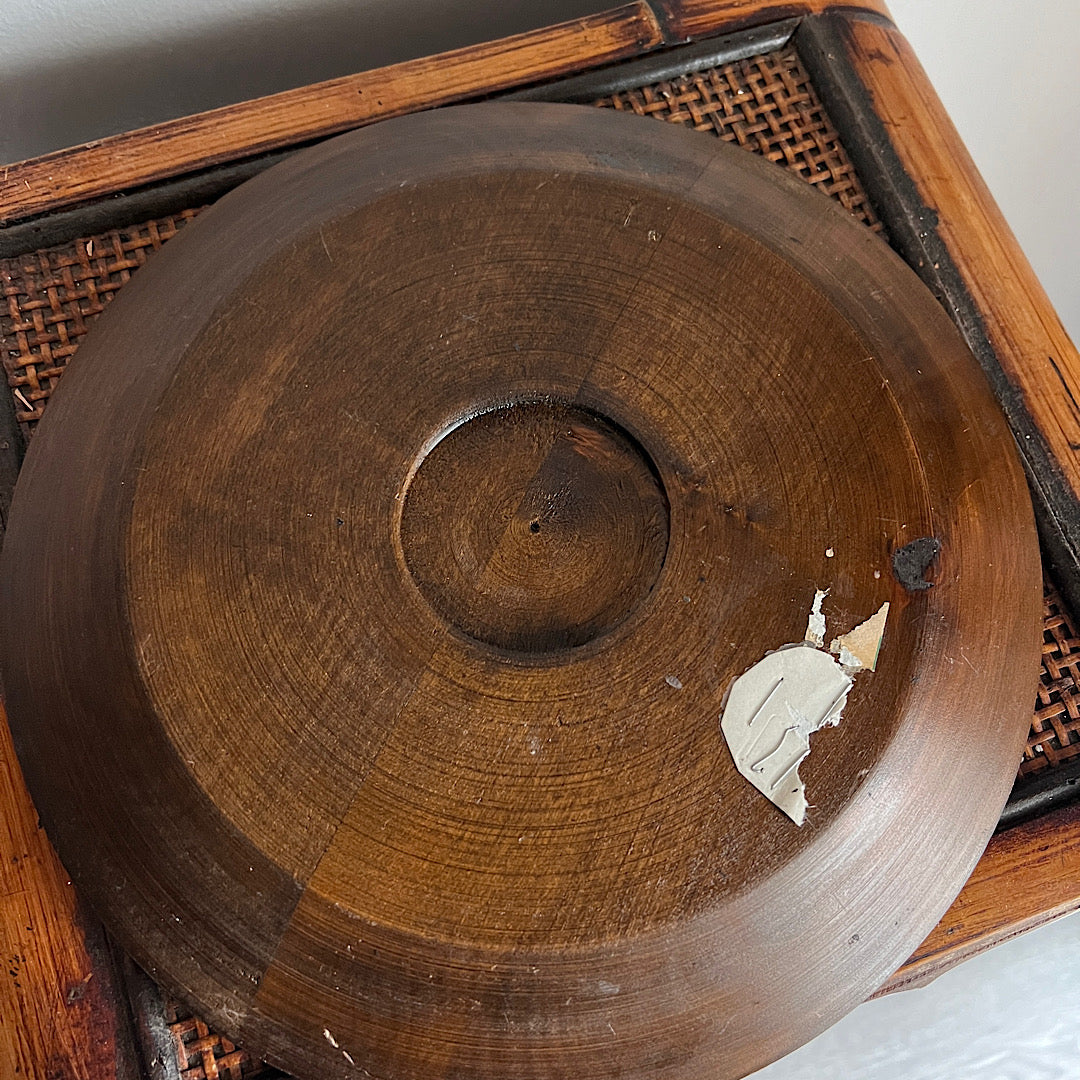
772	709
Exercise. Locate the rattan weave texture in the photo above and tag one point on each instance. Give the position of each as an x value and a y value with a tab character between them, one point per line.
202	1054
1055	729
53	296
766	104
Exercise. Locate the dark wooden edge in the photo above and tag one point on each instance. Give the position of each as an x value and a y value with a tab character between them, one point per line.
684	20
912	226
11	455
154	1040
661	65
134	206
107	955
822	43
1041	794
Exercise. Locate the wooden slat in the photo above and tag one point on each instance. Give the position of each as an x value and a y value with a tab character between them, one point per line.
685	20
58	1016
1040	365
175	147
1028	876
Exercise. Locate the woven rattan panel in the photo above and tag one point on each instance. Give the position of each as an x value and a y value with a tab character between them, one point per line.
52	297
765	104
201	1054
1055	730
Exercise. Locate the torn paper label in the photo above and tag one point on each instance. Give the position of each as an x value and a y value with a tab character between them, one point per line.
859	649
771	712
815	624
772	709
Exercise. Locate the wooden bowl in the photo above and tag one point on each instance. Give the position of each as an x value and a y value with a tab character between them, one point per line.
373	587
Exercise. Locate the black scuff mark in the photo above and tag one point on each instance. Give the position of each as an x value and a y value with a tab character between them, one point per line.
911	562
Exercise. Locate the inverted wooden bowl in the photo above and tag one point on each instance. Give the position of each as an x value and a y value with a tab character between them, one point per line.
398	535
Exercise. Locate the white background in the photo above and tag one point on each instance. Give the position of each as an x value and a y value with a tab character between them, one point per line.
1009	74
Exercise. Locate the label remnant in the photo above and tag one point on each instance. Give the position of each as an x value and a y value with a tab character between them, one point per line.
815	624
771	712
772	709
859	649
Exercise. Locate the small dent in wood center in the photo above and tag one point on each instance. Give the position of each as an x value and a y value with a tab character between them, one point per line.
535	527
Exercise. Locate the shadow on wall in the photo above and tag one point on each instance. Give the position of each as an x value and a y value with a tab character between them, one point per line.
104	90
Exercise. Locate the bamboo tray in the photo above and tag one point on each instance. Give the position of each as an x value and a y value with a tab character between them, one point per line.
838	97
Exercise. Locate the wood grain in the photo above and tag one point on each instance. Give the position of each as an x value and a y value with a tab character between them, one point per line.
686	20
58	1011
137	158
1028	876
465	836
1010	307
1023	879
566	512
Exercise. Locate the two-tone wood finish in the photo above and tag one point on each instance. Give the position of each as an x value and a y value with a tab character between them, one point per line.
382	805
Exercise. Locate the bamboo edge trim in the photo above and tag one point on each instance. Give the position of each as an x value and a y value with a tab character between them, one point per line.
133	159
55	972
1027	336
76	175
